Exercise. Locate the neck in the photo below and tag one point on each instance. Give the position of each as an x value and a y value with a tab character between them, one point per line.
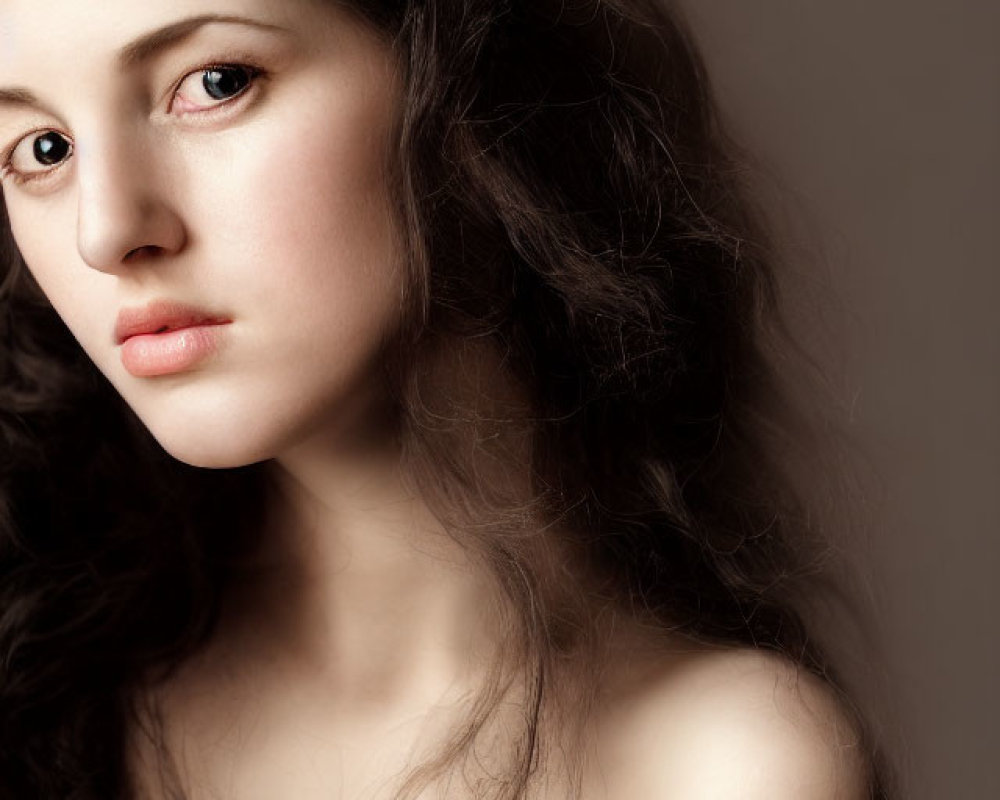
358	585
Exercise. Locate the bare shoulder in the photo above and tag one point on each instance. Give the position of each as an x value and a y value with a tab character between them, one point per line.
725	723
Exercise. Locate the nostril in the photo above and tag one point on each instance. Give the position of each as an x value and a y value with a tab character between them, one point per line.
138	252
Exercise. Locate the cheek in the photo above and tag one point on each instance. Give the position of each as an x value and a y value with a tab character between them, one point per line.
304	201
39	234
324	176
45	235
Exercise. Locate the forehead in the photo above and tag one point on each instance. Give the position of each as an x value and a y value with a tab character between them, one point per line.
33	33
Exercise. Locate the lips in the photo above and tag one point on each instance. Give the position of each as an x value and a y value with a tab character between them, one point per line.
161	317
167	338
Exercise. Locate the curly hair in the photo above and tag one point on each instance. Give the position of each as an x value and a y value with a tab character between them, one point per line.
575	220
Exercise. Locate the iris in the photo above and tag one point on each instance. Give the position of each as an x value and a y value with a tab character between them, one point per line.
221	83
50	148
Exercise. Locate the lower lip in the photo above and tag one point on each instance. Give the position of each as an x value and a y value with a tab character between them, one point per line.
153	354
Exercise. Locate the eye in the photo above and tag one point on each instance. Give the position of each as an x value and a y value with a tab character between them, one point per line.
36	155
213	86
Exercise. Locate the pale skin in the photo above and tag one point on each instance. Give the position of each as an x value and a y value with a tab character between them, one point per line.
362	629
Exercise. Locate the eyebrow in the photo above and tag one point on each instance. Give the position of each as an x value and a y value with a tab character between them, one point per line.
146	47
18	97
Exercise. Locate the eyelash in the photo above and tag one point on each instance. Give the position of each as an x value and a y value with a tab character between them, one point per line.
254	75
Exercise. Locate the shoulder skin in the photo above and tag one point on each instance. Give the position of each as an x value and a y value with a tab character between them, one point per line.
717	724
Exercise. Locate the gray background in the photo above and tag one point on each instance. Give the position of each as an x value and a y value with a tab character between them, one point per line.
880	120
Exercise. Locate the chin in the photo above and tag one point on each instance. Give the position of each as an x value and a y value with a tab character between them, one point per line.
207	459
223	426
204	425
208	454
211	446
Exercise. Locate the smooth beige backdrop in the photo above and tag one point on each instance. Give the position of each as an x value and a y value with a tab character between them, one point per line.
881	118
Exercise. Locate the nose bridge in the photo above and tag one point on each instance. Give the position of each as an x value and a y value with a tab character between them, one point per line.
122	210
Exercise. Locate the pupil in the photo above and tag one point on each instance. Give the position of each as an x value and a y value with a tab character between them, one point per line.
223	83
51	148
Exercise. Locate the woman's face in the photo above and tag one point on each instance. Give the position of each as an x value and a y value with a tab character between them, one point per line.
199	188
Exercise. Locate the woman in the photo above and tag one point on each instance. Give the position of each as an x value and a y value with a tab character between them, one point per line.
388	414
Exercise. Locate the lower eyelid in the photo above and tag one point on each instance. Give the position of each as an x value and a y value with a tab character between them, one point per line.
33	178
225	108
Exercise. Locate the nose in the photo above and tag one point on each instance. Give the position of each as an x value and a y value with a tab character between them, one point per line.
124	214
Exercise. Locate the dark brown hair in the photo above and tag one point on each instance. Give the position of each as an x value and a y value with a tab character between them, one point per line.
579	234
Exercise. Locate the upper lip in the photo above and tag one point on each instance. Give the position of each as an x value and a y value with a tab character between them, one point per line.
161	316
